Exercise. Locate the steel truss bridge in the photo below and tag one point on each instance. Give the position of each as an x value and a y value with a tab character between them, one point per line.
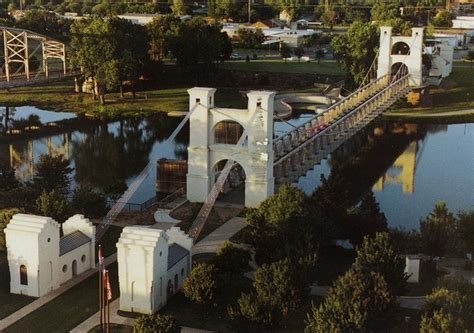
26	58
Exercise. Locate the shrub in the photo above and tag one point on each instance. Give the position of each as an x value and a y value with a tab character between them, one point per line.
157	323
201	284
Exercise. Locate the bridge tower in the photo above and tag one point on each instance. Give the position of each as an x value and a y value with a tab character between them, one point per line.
396	51
205	150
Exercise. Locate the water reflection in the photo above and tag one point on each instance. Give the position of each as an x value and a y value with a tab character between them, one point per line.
107	156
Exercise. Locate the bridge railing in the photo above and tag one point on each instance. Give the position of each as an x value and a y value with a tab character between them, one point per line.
297	143
282	145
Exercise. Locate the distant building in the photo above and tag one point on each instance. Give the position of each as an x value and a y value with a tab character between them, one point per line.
40	260
463	22
144	19
460	4
442	54
292	37
153	264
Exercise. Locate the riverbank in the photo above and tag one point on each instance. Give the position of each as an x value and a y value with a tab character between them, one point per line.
60	96
451	102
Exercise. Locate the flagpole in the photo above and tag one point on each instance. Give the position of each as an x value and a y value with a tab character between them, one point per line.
108	303
100	288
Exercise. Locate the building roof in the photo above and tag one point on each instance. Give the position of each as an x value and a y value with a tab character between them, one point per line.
175	254
72	241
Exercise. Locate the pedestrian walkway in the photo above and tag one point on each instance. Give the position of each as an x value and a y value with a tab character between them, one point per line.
94	320
407	302
33	306
212	242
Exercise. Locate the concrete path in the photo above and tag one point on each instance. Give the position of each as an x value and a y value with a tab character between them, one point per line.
407	302
94	320
212	242
26	310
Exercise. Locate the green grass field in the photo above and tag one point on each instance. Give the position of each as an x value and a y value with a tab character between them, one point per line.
60	96
453	99
67	310
326	67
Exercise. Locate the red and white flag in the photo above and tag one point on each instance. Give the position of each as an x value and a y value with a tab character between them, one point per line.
101	257
107	285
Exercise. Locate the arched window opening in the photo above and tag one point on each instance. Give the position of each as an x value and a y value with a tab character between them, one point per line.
234	187
228	132
23	275
176	281
399	69
400	48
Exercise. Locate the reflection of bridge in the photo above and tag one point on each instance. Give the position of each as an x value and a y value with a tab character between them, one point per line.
27	56
22	158
405	164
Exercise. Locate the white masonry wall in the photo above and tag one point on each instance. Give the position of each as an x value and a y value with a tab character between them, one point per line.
142	255
33	241
255	156
80	258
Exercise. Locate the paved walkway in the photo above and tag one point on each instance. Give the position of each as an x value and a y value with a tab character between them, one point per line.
26	310
212	242
93	321
407	302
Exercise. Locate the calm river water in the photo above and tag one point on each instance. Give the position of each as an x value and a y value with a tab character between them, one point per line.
421	163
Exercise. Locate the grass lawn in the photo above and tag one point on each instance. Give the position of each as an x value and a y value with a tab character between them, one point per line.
455	94
327	67
69	309
60	96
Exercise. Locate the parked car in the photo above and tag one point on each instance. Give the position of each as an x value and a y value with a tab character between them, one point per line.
235	56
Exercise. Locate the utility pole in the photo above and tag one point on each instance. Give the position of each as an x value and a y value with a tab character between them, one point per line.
250	9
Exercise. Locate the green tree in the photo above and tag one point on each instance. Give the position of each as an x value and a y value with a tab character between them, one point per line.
201	284
287	202
52	172
131	45
286	226
88	202
446	311
356	49
178	8
160	31
329	18
470	56
378	255
231	259
198	47
319	54
8	180
156	323
357	302
466	230
443	19
93	50
250	39
5	217
437	230
291	7
253	314
285	51
366	219
280	284
382	11
52	204
299	52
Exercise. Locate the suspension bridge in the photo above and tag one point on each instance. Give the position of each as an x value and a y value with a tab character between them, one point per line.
293	154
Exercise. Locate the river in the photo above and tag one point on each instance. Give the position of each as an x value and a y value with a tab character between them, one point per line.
410	167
